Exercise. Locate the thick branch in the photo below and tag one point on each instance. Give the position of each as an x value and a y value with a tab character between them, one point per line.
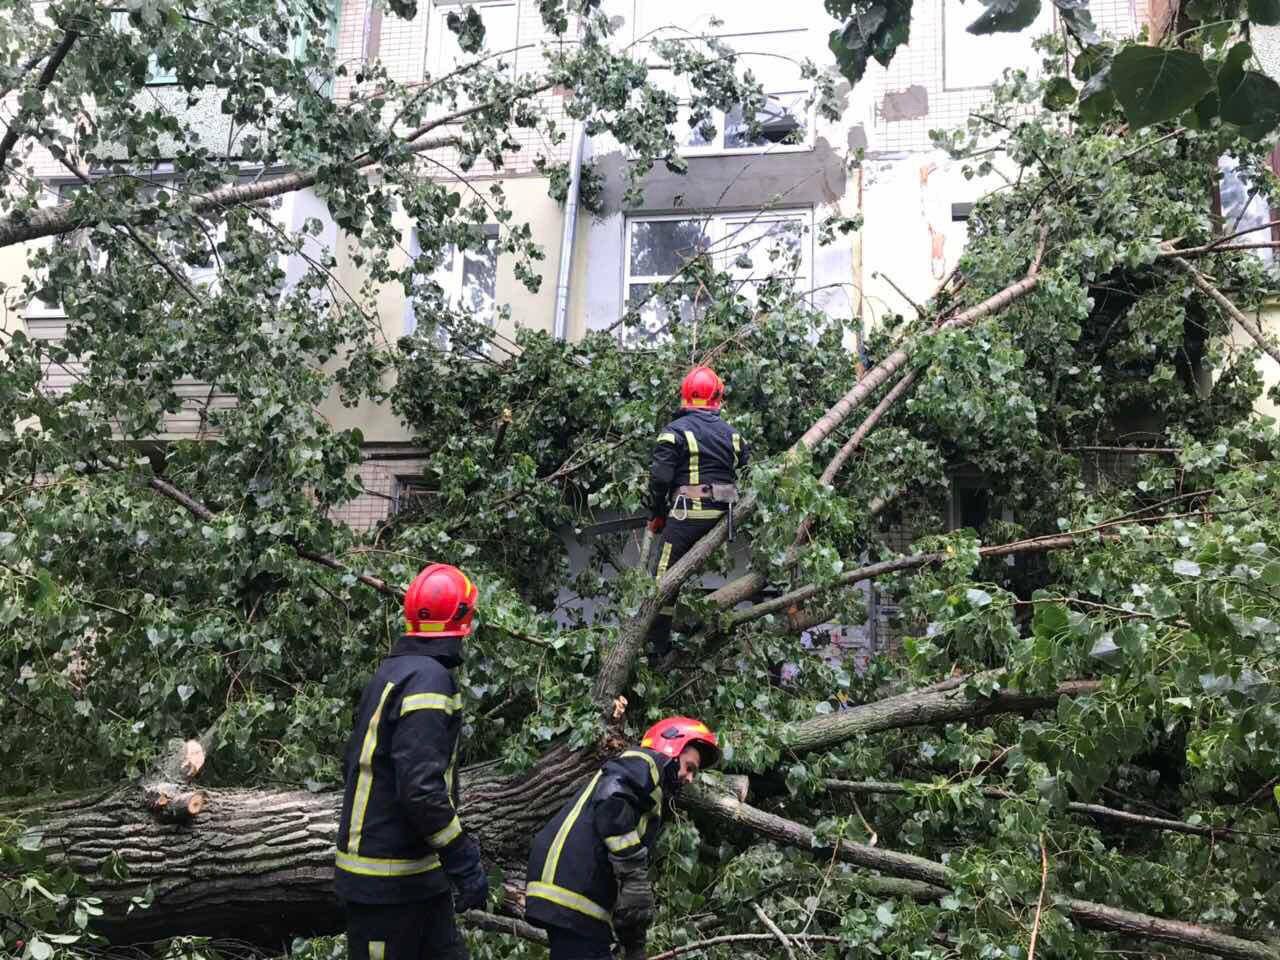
46	77
616	663
1092	915
942	703
1096	811
871	571
1236	314
53	221
202	512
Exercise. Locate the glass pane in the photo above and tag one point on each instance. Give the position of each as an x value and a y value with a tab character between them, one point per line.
659	248
779	122
1240	210
659	312
480	281
763	247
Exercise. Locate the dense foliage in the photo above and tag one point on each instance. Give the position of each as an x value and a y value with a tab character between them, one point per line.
129	618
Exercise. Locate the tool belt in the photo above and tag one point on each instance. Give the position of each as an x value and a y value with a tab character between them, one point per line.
722	492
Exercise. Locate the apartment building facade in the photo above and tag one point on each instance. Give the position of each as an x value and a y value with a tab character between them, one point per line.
744	191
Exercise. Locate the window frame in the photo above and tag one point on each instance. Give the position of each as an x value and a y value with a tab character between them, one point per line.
454	288
438	31
723	223
720	119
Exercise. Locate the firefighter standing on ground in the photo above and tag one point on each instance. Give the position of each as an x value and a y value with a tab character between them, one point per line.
589	867
692	482
404	863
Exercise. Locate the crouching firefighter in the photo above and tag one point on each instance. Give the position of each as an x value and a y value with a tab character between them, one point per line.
589	868
404	863
692	483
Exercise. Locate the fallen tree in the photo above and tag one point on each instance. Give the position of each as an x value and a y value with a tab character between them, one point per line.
1102	638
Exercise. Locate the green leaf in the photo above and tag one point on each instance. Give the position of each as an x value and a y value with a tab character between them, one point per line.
1059	94
1006	16
1077	19
1265	12
1154	84
1185	568
1251	100
977	598
37	949
469	29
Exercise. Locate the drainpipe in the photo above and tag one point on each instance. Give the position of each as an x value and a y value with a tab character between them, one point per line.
560	327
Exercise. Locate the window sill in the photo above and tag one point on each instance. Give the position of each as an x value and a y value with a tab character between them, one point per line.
745	151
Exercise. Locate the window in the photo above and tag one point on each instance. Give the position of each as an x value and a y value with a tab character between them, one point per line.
1242	208
467	281
783	124
500	28
751	247
971	61
196	251
156	75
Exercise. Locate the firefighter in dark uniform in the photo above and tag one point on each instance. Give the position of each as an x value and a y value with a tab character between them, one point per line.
589	867
692	482
404	863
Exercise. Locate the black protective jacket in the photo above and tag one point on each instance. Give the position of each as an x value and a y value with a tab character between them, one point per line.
695	448
571	883
400	801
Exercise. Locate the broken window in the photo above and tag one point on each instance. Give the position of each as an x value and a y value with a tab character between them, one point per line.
752	247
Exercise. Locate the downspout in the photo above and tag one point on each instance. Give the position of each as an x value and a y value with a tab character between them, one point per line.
560	327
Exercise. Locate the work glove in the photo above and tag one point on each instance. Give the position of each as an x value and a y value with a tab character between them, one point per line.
633	910
656	524
461	861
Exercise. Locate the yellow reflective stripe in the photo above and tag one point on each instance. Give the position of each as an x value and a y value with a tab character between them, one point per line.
704	514
364	782
424	626
656	795
431	701
622	841
442	838
663	560
692	441
383	867
567	898
377	950
737	443
666	437
557	845
448	771
667	612
653	765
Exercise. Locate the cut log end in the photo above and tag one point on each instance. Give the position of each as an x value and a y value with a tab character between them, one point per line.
171	804
193	758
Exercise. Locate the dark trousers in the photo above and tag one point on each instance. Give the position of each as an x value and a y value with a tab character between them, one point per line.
678	538
567	945
423	930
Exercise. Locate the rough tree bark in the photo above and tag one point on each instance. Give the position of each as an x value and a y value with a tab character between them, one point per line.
260	862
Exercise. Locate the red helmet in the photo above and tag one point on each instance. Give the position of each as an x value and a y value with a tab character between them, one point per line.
439	603
701	388
670	736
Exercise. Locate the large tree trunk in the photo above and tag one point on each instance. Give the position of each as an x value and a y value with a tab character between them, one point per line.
258	864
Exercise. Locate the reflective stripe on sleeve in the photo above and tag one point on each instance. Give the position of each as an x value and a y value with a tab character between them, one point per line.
568	899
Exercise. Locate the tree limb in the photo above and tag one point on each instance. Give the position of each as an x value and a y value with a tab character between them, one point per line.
1094	810
617	660
945	702
46	77
202	512
1095	916
1236	314
773	929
